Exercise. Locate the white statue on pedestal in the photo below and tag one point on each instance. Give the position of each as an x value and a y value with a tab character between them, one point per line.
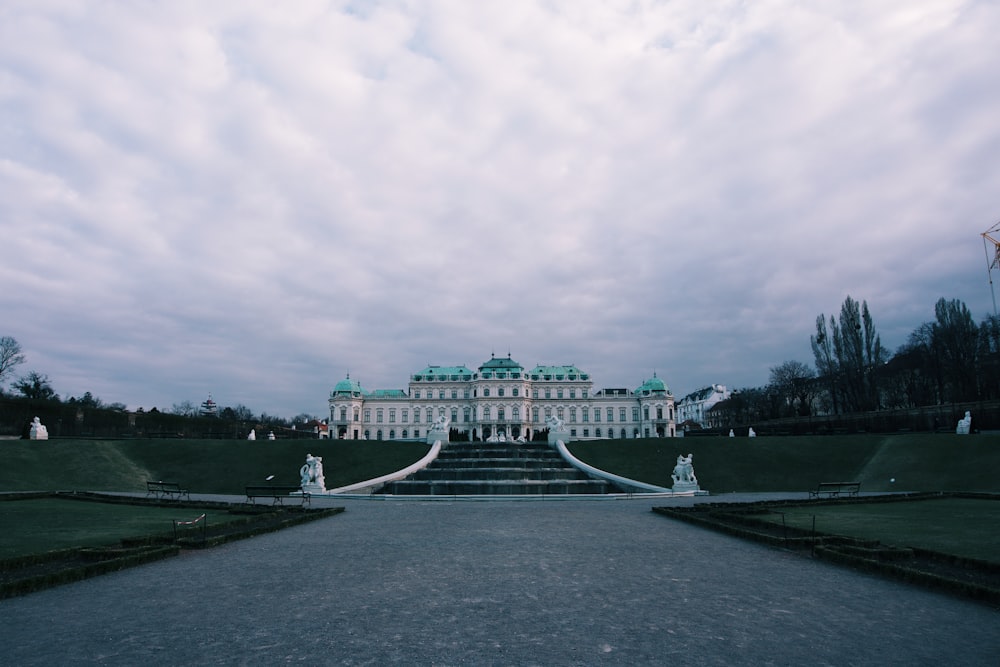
752	433
38	431
964	425
732	433
439	430
270	435
684	471
311	474
252	435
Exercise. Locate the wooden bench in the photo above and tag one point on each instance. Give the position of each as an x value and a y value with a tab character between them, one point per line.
277	494
836	489
166	490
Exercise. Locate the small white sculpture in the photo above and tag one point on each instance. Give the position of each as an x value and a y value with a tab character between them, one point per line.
441	424
684	471
752	433
270	435
964	425
311	474
252	435
38	431
553	423
732	433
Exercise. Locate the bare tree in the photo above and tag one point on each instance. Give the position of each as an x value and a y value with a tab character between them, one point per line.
10	356
954	343
795	385
184	409
35	385
852	368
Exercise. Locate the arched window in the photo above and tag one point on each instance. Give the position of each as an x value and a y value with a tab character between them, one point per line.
515	413
486	412
378	434
392	434
405	434
597	432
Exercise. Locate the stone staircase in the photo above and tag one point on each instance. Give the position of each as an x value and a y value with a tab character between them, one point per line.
497	468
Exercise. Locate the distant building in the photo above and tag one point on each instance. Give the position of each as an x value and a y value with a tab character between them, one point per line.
209	408
694	408
501	397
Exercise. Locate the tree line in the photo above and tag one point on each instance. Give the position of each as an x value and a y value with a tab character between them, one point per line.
32	394
950	359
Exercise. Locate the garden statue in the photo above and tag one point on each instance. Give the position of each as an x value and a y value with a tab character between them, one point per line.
252	435
752	433
311	474
438	430
732	433
964	424
684	470
270	435
38	431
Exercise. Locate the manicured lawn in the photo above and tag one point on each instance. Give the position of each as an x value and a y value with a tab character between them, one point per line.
959	526
46	524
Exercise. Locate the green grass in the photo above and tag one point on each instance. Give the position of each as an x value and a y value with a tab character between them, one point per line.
917	462
46	524
201	466
959	526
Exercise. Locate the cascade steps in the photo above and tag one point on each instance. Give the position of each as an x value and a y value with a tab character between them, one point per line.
490	468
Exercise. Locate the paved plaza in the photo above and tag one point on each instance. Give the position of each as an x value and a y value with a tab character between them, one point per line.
540	582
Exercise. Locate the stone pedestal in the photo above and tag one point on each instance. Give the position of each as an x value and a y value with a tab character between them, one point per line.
687	487
555	436
436	434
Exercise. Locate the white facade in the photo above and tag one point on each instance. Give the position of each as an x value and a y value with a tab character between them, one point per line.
695	406
500	397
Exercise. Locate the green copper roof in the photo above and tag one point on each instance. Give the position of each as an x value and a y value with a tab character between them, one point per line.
387	393
442	373
501	364
348	387
653	385
569	372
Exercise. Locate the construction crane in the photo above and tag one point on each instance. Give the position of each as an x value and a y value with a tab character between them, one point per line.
992	258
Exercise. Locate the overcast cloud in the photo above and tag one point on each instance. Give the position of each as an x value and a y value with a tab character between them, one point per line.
251	199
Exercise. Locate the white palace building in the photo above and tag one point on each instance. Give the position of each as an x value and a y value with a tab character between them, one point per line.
500	397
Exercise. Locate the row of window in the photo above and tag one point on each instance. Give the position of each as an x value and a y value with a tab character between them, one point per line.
486	413
501	391
598	433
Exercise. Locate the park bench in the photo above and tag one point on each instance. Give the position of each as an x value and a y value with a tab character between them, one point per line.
166	490
277	494
836	489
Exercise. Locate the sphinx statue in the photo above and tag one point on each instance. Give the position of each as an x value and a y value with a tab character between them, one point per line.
38	431
964	424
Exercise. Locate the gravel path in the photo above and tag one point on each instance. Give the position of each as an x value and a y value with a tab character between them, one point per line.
495	583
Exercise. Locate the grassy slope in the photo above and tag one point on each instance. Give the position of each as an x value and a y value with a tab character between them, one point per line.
202	466
920	462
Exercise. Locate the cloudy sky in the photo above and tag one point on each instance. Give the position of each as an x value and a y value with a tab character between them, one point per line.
252	199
